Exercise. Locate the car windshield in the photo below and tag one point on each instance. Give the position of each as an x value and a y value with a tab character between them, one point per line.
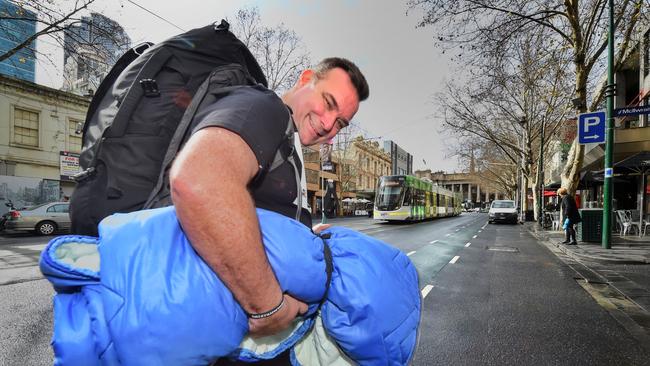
503	204
389	194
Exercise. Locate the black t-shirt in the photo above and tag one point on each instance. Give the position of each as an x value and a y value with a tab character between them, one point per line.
260	118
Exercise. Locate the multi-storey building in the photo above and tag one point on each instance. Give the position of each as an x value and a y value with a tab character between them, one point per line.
18	25
39	141
90	49
401	160
368	163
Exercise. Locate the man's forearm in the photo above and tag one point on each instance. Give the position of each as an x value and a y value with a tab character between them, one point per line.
209	189
232	248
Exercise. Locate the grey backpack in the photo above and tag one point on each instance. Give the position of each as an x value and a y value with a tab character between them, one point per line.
141	114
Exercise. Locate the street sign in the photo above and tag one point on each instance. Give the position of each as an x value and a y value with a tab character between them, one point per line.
632	111
591	128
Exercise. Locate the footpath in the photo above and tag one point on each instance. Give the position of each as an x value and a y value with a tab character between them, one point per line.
617	278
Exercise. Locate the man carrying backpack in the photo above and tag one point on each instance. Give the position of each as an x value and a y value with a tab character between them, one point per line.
222	174
190	122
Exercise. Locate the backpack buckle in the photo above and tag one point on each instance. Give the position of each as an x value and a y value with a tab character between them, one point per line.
223	26
150	88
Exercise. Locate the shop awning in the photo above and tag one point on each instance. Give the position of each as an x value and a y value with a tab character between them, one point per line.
637	163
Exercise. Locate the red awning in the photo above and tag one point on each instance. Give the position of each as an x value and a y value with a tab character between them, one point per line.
550	193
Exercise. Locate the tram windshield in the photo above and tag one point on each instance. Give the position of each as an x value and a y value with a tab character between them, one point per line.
390	192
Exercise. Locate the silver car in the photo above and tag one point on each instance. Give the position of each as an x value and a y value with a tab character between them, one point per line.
45	219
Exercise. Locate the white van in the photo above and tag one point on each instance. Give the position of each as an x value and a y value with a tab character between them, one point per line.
503	211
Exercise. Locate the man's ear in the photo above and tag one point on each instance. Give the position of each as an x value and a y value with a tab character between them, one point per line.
305	77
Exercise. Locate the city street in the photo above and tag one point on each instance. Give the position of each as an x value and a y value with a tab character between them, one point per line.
492	296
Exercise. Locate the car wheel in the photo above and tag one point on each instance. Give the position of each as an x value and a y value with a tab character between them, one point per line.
46	228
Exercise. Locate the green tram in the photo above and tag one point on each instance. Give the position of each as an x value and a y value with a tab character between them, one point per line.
407	198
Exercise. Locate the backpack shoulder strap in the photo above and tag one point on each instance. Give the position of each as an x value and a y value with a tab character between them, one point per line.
223	76
282	155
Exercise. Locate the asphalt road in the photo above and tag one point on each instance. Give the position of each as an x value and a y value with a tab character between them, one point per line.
492	296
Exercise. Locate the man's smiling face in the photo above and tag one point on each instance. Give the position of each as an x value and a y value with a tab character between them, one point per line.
323	106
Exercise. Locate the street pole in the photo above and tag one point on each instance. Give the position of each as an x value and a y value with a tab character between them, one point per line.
609	135
540	178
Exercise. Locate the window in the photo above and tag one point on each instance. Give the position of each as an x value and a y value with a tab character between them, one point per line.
25	127
74	139
58	208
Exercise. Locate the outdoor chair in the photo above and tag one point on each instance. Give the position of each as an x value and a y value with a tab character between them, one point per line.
556	224
623	221
634	221
646	223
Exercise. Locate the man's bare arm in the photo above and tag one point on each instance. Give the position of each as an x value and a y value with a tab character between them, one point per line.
209	182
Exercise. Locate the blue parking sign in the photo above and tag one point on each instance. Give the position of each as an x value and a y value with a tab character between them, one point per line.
591	128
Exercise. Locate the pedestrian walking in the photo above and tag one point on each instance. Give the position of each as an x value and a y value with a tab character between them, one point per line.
571	216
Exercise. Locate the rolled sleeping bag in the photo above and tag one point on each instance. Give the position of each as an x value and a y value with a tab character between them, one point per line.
155	301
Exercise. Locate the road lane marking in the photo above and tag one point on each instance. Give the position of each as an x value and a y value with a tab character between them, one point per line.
433	242
454	259
447	234
480	231
468	244
410	253
426	290
474	237
457	229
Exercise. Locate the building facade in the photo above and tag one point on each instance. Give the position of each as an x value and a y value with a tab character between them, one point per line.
40	138
401	160
90	49
370	163
22	64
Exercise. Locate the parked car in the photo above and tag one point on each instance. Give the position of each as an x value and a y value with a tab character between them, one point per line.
503	211
44	219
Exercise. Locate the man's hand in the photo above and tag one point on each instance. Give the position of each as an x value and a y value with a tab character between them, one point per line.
279	321
318	228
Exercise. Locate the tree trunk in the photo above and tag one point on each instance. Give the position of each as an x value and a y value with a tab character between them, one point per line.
571	172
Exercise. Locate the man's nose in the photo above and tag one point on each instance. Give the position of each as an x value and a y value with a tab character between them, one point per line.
329	120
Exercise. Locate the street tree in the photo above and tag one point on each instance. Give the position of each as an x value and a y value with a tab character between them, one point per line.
506	104
279	50
474	29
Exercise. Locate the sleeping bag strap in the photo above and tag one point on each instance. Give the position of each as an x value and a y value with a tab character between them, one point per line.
329	266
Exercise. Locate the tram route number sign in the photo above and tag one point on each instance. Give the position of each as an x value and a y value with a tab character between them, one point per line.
591	128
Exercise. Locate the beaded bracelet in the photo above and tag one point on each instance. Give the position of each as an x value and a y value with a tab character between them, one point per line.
268	313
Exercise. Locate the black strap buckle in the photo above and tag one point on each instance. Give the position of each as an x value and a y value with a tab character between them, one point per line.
150	88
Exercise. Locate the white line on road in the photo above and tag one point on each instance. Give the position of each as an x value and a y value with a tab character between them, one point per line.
426	290
480	231
453	260
468	244
474	237
483	227
447	234
457	229
433	242
410	253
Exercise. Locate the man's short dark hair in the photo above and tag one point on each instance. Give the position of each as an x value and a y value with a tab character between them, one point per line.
357	78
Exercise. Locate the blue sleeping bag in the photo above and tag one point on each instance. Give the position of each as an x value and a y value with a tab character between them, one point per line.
155	302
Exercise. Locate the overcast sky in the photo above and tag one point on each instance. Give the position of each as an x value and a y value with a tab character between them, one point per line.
402	66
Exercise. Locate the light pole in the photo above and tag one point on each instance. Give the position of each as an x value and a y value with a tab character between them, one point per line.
522	157
609	135
540	178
